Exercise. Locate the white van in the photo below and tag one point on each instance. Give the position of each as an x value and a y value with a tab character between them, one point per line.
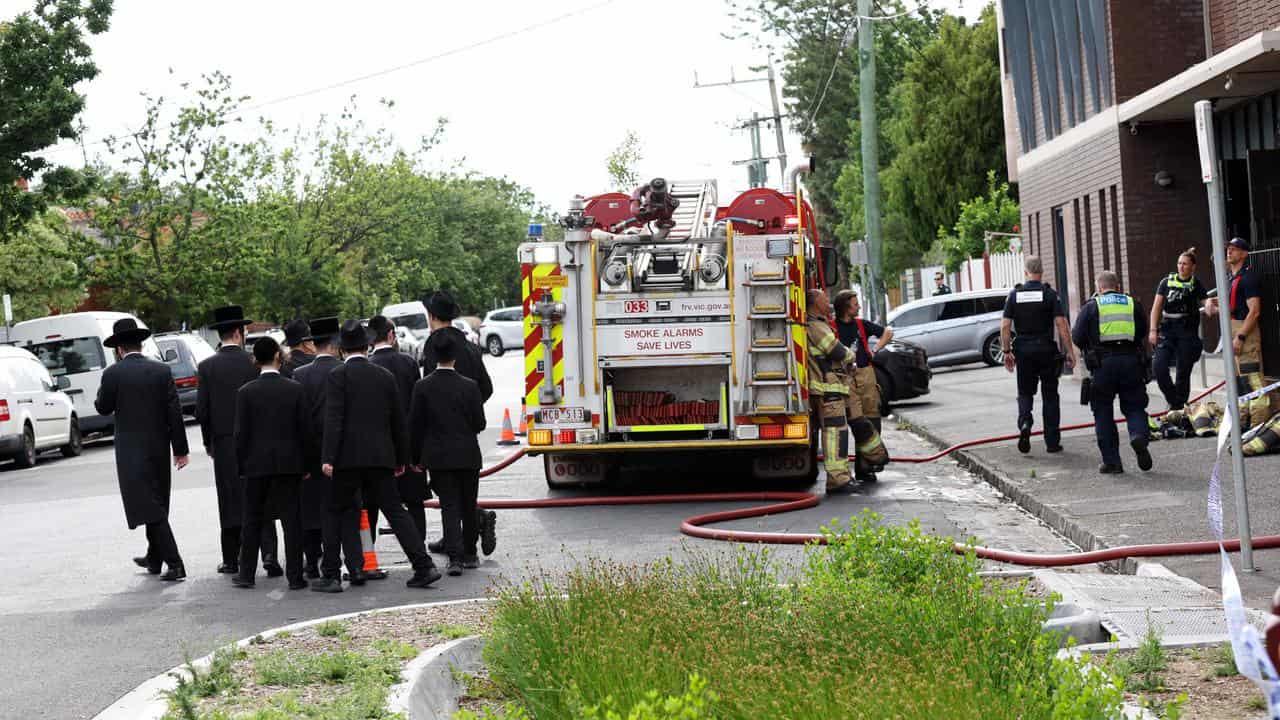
34	414
70	346
409	315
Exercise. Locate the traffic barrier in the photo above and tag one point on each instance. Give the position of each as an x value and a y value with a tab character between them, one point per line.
523	429
508	436
366	542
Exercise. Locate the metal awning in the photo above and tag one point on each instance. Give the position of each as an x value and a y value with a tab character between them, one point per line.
1243	71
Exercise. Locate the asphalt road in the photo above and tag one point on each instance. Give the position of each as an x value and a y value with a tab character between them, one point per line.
82	625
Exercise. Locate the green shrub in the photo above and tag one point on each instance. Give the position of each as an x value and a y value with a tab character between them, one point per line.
885	622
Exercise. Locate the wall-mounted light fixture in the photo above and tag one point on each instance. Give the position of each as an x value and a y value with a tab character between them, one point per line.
1164	179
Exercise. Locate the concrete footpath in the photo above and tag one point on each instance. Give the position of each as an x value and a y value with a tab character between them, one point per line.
1167	504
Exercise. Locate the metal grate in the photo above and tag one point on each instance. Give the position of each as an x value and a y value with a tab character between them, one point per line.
1102	592
1175	625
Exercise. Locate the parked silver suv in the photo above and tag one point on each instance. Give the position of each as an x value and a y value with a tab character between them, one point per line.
955	328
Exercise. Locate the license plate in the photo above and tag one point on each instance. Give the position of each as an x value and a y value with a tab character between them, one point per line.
556	416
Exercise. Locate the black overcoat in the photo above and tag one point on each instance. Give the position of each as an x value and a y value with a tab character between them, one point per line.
314	491
221	376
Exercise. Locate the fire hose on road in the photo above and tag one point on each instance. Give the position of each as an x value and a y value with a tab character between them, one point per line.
784	502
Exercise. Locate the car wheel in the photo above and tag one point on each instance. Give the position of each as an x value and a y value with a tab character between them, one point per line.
886	391
494	344
26	457
992	354
75	444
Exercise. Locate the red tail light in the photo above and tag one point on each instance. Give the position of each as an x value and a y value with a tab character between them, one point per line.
187	382
771	432
4	410
567	437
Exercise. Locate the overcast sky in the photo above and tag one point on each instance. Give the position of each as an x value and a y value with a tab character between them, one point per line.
542	107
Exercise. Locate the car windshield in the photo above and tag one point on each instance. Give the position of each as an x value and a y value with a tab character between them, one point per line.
171	354
416	321
69	357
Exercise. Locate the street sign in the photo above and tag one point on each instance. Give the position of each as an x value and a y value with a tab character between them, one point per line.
1204	127
8	310
858	252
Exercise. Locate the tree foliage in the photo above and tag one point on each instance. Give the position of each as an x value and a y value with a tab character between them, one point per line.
43	56
621	164
995	211
43	267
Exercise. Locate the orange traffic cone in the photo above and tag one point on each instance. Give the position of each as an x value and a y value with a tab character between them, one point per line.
508	436
366	541
522	429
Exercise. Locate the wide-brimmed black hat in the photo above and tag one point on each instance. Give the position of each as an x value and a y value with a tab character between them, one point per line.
296	332
324	329
126	331
442	306
231	316
354	336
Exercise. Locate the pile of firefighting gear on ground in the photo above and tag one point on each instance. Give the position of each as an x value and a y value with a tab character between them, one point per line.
1201	419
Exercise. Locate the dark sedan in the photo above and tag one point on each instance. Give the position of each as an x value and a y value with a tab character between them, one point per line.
902	370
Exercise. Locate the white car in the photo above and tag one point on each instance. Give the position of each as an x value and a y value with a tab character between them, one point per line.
70	346
467	331
35	414
411	316
503	329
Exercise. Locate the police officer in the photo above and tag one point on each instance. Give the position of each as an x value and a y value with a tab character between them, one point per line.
1034	311
940	285
1244	302
1111	330
828	364
1175	324
863	405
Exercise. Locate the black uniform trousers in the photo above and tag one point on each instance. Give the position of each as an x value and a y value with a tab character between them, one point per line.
458	491
229	483
378	486
265	498
161	545
413	490
1118	375
313	503
1038	364
1179	348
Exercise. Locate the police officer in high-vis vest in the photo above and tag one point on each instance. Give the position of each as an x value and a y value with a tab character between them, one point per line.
1034	312
1175	329
827	364
1111	331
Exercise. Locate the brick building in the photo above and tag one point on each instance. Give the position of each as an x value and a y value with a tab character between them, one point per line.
1098	98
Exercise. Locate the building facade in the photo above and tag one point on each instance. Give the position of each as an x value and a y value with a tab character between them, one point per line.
1101	141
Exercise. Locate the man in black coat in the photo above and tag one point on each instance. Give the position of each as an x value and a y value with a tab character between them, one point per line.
302	347
468	362
446	415
365	447
141	394
220	377
271	426
412	484
314	495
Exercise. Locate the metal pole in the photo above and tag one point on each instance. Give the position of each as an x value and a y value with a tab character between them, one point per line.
1217	226
777	122
756	161
870	156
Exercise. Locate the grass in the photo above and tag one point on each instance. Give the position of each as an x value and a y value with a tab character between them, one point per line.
332	628
447	631
1142	671
885	622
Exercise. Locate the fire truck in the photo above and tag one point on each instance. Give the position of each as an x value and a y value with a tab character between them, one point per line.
665	322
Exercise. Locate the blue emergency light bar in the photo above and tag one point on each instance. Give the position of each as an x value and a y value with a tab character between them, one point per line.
535	230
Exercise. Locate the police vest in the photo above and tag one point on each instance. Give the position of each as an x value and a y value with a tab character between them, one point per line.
1033	309
1178	300
1115	318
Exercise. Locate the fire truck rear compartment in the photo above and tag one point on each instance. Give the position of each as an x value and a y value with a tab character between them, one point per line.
667	402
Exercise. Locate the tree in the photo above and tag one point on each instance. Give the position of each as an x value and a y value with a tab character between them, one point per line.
621	164
995	211
43	268
43	56
947	130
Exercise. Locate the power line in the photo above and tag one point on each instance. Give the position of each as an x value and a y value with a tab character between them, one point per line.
387	71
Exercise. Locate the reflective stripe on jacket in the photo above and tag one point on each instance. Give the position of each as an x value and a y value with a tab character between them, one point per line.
827	358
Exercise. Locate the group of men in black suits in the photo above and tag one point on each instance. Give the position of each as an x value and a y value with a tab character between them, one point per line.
311	439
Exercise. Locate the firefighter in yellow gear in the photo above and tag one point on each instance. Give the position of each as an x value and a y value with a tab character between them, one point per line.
1244	303
863	407
829	365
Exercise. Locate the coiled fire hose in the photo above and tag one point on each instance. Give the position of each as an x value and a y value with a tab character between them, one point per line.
784	502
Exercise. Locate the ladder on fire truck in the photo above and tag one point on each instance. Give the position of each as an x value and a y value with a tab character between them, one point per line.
697	209
770	382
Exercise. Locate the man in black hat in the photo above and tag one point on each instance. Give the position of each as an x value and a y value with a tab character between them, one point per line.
141	394
365	447
271	426
220	377
314	495
302	348
412	484
441	310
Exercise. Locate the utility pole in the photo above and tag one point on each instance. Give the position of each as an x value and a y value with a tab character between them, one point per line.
870	157
758	164
777	123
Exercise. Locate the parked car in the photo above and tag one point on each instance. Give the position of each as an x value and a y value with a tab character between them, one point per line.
956	328
70	346
182	352
274	333
35	414
409	343
503	329
902	372
467	331
409	315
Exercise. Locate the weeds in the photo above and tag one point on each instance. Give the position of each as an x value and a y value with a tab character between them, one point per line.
332	628
195	684
1224	661
1142	671
447	631
1257	702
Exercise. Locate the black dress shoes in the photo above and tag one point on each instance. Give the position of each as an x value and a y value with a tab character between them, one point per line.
311	572
1109	469
297	584
327	585
358	578
174	573
455	567
1139	446
273	569
470	562
488	531
436	546
143	562
1053	448
1024	440
242	582
423	579
228	569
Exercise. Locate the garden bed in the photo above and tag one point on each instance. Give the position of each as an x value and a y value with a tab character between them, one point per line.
1186	683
